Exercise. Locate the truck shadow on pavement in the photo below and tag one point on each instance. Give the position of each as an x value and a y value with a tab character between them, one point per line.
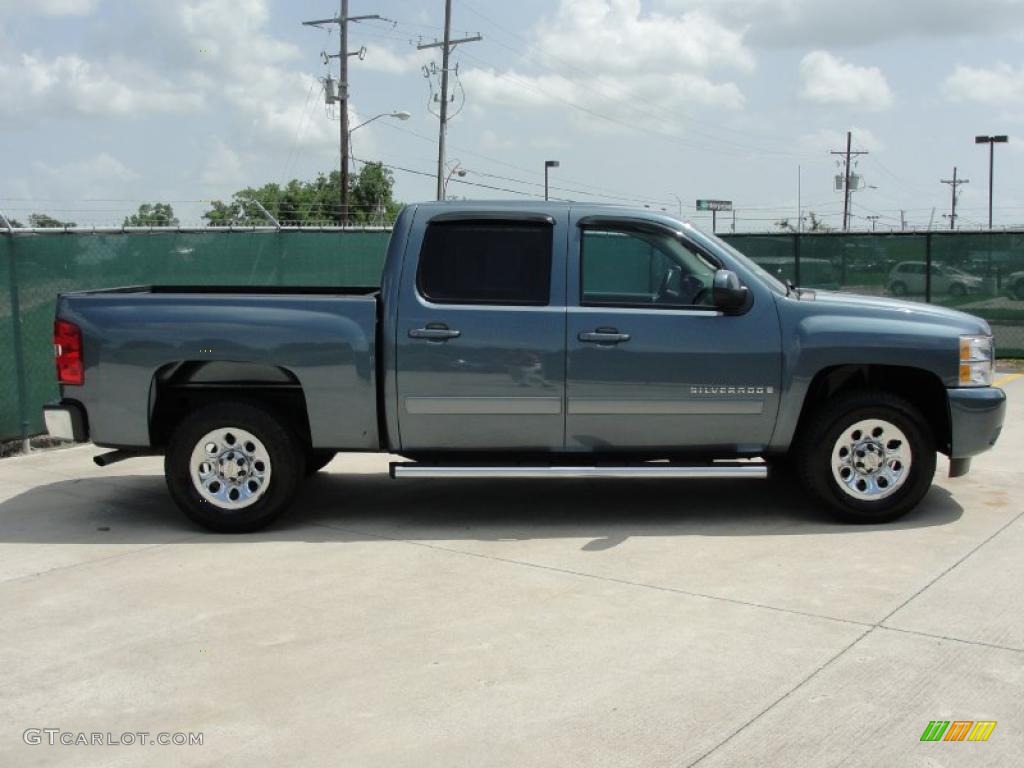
372	507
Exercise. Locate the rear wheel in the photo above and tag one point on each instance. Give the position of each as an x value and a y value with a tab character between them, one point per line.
957	289
870	455
233	467
898	289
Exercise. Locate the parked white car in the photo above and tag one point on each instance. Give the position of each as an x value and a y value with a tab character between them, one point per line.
908	278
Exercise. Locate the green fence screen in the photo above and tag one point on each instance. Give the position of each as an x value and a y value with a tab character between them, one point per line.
980	273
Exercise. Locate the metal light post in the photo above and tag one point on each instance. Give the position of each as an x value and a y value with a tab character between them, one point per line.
455	170
400	114
548	164
991	141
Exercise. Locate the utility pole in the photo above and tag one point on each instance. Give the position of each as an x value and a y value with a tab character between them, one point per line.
846	177
991	141
954	183
343	20
903	220
446	47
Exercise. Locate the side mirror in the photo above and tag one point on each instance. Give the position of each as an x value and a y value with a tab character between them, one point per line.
726	292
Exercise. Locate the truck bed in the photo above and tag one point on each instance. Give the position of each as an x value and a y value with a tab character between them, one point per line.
322	338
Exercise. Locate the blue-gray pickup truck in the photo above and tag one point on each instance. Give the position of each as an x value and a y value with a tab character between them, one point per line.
524	340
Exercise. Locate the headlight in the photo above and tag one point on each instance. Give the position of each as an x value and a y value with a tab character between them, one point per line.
977	361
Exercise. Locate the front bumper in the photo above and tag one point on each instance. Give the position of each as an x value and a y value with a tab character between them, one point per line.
975	419
66	421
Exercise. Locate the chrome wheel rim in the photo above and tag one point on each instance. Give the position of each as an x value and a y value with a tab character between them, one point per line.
871	459
230	468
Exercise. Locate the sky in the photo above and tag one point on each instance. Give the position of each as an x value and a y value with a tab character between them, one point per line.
110	103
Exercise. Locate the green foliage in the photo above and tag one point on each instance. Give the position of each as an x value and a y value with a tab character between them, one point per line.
152	215
814	224
313	202
43	220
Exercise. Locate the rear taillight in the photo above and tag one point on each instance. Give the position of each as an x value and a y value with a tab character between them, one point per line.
67	349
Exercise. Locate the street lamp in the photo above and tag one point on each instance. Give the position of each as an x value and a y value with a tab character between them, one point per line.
455	170
548	164
398	115
991	141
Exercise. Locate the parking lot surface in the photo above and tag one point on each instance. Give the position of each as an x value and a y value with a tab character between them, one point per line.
510	623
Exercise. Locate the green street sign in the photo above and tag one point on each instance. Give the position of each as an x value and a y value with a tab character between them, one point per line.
714	205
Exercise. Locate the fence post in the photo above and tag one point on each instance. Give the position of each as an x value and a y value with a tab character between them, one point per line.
928	268
19	352
796	258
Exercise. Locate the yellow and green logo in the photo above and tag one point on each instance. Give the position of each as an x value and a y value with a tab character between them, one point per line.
958	730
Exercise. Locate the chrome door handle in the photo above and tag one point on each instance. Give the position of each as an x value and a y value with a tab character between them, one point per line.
604	336
434	333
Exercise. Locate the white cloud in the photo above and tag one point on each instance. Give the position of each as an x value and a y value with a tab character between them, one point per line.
615	35
71	83
1001	86
828	79
383	59
49	7
90	171
490	140
224	167
842	23
824	141
611	58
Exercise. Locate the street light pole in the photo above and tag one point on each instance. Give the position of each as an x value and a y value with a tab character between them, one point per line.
398	115
991	141
456	170
548	164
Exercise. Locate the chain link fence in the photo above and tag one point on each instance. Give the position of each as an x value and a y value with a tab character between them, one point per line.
980	273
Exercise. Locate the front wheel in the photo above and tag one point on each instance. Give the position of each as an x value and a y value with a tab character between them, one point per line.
870	455
233	467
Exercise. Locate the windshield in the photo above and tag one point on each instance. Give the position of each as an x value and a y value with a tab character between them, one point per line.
716	242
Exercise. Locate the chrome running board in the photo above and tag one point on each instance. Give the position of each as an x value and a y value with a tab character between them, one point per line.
705	472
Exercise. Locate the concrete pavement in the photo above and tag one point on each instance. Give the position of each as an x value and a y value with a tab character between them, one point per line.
493	623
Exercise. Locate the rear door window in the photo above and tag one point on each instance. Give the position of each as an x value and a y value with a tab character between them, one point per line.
483	262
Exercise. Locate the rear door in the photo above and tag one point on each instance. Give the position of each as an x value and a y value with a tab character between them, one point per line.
481	332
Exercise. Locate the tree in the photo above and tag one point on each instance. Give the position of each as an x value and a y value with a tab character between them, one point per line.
43	220
815	224
370	198
313	202
152	215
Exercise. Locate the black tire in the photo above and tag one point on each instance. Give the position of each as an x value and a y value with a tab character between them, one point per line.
1018	291
957	290
317	459
286	460
822	435
898	289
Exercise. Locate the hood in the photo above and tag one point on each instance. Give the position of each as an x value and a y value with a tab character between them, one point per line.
878	306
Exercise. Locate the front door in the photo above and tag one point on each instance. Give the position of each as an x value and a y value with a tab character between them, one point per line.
652	365
481	334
